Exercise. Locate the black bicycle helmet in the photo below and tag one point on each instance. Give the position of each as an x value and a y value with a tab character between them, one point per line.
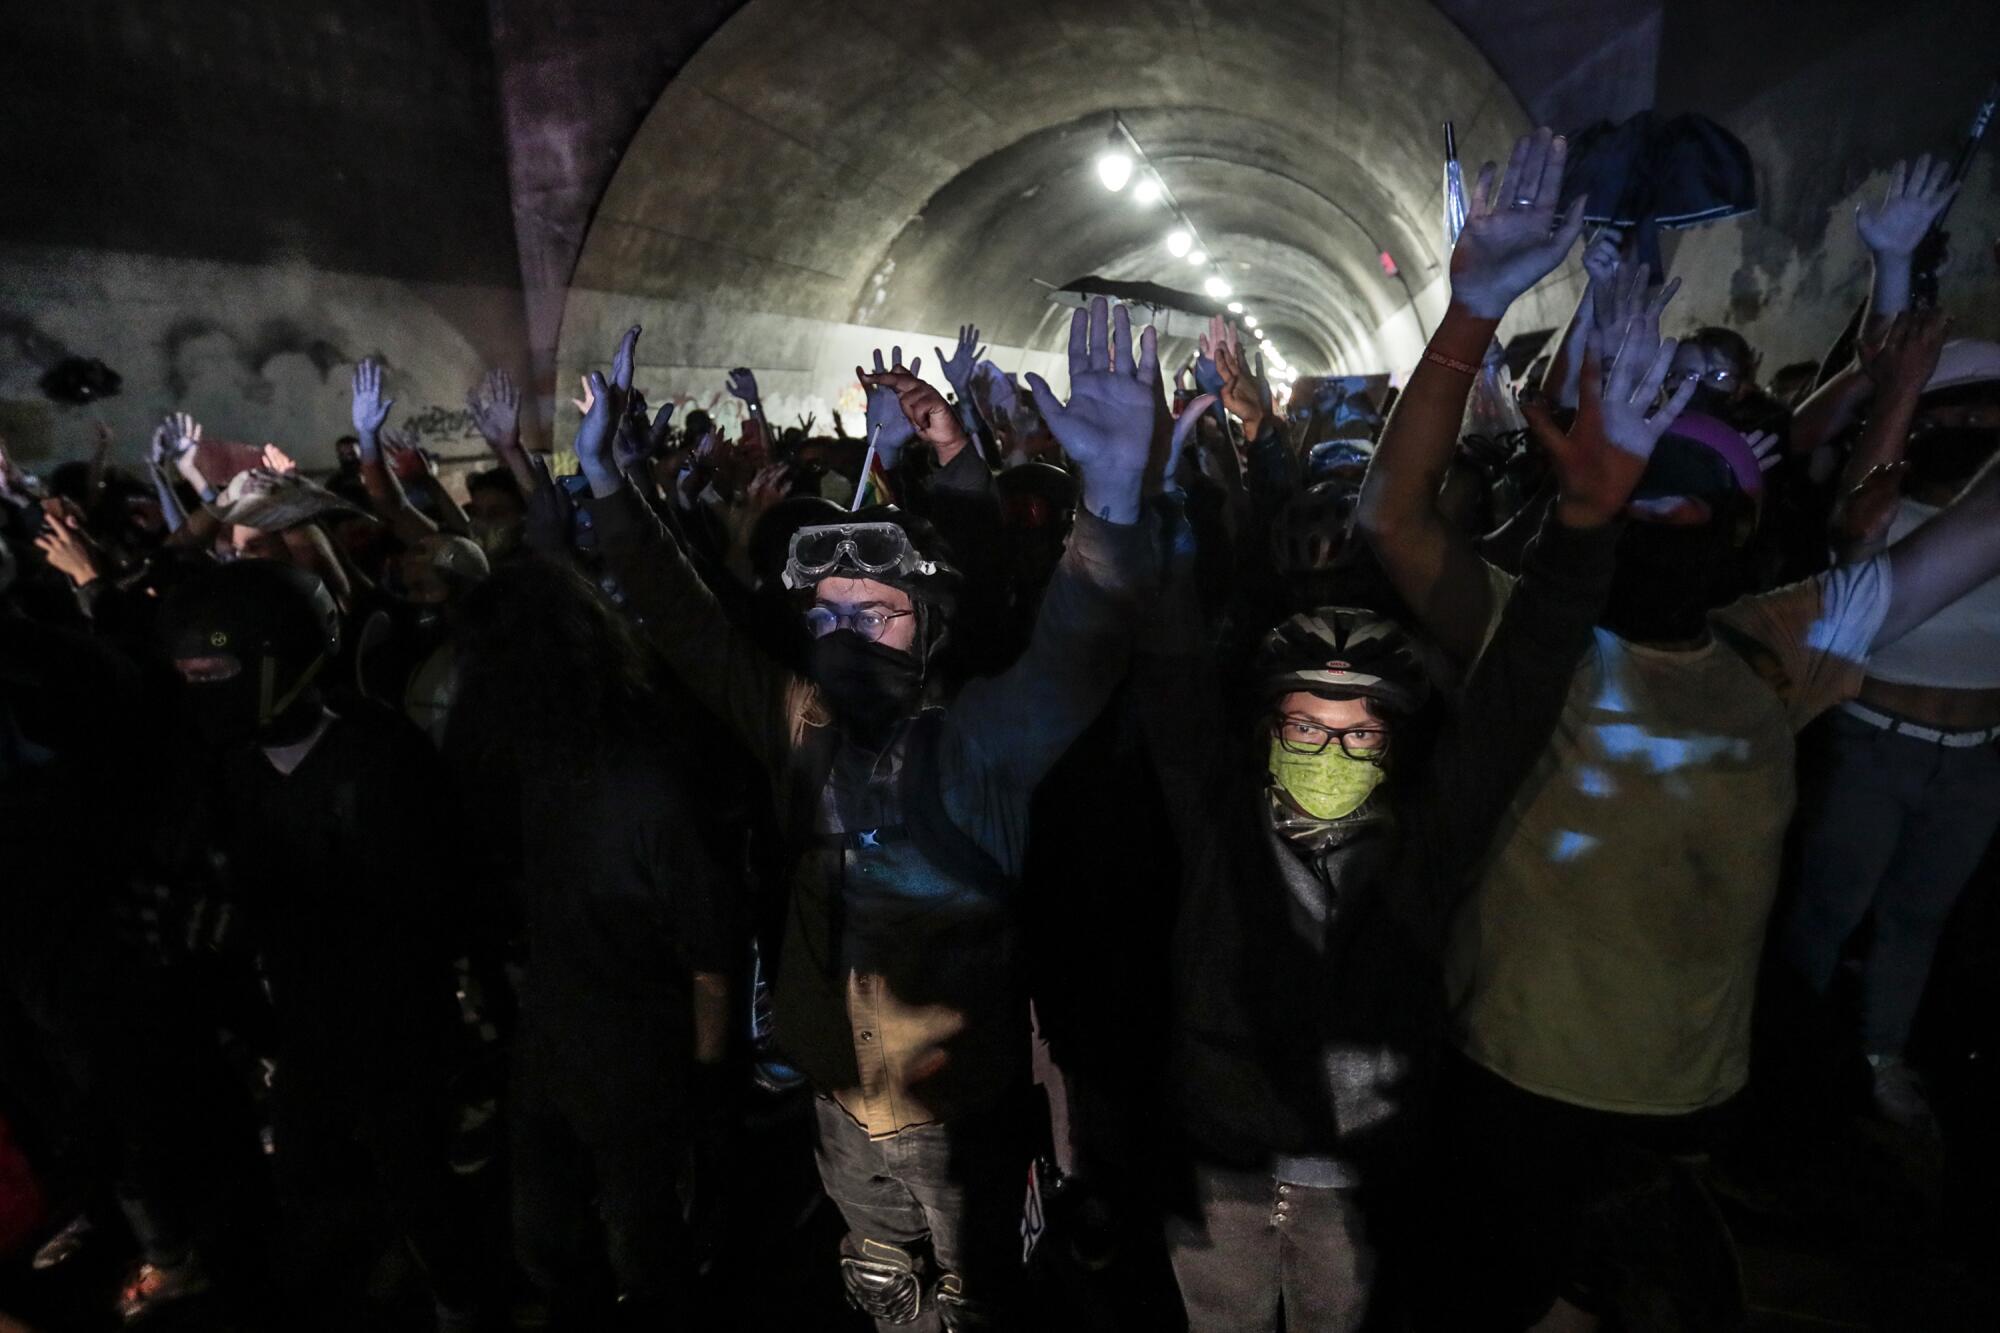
1346	652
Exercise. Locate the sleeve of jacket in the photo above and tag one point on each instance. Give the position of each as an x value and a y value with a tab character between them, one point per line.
1509	706
1176	684
726	672
1019	722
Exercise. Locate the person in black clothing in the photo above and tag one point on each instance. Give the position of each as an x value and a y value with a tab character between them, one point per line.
1325	838
624	996
335	857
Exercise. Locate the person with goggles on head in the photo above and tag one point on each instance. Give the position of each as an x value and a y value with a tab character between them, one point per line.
897	990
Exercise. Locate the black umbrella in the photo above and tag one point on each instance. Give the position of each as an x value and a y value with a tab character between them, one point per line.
1644	174
1176	314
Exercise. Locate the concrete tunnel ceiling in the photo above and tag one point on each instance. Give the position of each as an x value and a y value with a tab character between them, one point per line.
908	167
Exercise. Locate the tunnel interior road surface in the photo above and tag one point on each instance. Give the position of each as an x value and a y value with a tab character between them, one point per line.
827	175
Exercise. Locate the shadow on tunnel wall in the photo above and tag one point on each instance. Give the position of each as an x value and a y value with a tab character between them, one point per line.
230	202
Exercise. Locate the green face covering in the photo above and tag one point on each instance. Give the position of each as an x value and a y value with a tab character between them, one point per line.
1327	785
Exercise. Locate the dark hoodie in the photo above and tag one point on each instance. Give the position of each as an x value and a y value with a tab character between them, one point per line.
1309	1008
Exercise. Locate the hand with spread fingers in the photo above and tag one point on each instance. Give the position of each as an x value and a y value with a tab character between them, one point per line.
370	408
1618	422
1513	237
965	358
495	405
1906	356
1895	224
929	416
1106	427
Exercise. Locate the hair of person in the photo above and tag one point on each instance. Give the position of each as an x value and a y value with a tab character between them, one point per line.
497	479
1715	338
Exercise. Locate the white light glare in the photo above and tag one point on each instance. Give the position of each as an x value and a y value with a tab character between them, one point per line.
1178	242
1197	257
1235	307
1114	169
1215	287
1146	191
1249	321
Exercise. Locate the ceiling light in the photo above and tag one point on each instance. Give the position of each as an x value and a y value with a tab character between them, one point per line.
1215	287
1146	191
1249	321
1197	257
1178	242
1114	169
1235	307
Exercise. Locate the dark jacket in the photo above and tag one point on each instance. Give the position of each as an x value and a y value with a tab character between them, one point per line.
897	988
1309	1009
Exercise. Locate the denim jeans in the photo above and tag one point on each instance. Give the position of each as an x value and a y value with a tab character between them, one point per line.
949	1194
1899	830
1265	1255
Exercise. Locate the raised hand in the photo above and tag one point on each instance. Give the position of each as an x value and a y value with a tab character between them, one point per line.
495	405
66	546
959	365
1907	355
743	384
1512	237
408	460
1893	225
888	428
1599	462
1603	262
1245	394
596	436
278	461
371	409
1107	424
929	416
1184	428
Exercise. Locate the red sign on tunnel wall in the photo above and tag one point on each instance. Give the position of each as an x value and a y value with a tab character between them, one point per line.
1388	265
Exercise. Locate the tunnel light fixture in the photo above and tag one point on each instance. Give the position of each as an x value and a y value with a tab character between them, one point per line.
1235	307
1114	169
1249	321
1179	242
1215	287
1197	257
1147	192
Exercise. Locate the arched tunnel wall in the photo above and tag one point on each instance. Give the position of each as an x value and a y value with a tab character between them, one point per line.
824	176
230	200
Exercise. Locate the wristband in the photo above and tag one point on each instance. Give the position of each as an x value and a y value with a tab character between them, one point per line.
1450	362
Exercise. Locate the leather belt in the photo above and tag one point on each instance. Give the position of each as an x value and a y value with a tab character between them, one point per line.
1951	740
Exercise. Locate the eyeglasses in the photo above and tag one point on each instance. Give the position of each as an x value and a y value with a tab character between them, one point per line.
1717	375
863	548
1301	736
870	624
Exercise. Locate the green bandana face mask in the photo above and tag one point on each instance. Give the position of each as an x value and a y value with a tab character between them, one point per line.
1327	785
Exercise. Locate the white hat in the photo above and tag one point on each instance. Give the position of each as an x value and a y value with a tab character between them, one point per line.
1965	361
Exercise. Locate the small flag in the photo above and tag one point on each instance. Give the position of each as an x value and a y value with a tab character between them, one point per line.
874	488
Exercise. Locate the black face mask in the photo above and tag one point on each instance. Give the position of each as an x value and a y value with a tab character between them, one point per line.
869	687
1711	402
228	714
1666	581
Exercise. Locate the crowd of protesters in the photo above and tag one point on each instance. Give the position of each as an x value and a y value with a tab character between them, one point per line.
1348	851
